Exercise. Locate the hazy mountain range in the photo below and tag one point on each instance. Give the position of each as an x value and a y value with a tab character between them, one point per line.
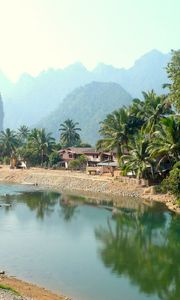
31	99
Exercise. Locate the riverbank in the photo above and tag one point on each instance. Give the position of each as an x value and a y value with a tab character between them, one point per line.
94	186
27	290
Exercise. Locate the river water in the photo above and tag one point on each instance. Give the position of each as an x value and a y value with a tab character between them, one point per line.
84	253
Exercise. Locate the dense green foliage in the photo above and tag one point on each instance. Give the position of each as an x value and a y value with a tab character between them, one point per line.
173	70
146	135
172	182
32	146
54	158
36	146
8	142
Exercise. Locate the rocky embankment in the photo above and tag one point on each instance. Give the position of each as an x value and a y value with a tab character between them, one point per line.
7	295
100	187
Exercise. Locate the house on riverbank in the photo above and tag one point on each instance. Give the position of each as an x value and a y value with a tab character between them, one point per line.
93	156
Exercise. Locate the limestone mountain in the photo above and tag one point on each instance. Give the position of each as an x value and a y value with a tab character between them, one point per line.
87	105
32	98
147	73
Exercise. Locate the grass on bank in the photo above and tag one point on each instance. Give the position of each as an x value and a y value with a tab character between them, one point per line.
9	289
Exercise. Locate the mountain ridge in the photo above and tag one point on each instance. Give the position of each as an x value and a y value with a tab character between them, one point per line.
36	97
87	105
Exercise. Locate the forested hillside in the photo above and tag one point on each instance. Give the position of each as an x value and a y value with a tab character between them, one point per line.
88	105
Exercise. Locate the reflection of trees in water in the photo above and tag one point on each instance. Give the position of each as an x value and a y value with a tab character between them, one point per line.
68	207
41	202
145	248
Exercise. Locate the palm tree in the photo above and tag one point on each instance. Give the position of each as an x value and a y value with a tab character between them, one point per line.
138	160
23	133
8	141
115	131
155	107
69	133
137	112
166	142
41	142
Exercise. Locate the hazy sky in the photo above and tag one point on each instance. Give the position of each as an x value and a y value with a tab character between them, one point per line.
38	34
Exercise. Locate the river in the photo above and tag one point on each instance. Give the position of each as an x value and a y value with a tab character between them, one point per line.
82	252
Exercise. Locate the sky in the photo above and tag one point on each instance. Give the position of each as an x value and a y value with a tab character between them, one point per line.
39	34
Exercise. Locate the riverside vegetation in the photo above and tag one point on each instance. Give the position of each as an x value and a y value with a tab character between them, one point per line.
145	135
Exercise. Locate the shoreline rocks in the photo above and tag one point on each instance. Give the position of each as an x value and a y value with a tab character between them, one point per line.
75	182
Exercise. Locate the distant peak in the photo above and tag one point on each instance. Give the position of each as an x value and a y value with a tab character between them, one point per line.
76	66
101	67
152	56
153	51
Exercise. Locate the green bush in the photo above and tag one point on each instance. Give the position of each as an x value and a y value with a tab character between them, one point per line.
172	182
54	158
79	163
160	189
74	164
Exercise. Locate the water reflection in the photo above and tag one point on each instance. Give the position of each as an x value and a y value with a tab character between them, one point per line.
144	246
42	203
68	207
140	244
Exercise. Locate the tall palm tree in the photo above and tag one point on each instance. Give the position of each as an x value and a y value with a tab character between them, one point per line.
23	133
69	133
166	142
115	131
8	141
41	142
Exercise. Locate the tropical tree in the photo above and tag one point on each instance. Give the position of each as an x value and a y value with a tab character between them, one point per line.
138	160
155	107
8	141
115	131
41	143
23	133
137	115
165	146
69	133
173	71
